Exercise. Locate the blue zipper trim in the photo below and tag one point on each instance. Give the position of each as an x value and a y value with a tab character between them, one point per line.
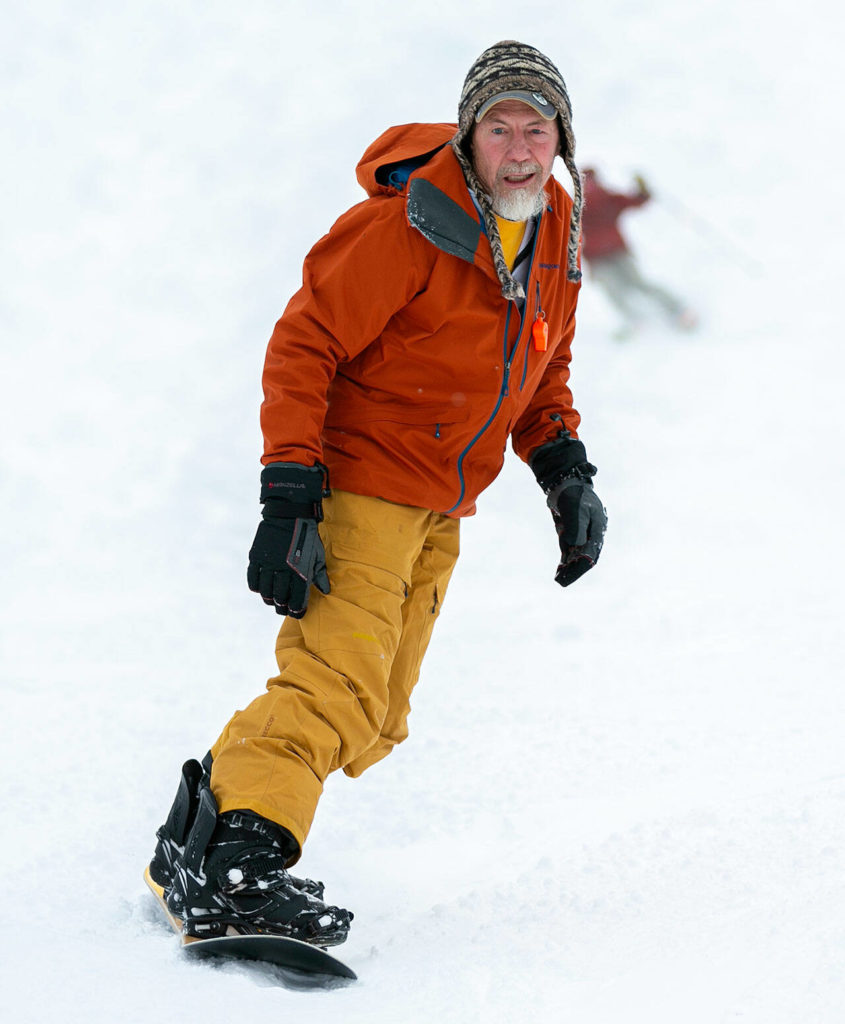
504	390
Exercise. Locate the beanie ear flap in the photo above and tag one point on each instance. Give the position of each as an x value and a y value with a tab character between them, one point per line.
573	271
564	138
567	154
511	289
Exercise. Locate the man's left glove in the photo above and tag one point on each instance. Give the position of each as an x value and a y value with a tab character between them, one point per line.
287	554
640	182
580	519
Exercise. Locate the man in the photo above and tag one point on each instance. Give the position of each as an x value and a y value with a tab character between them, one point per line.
434	322
612	265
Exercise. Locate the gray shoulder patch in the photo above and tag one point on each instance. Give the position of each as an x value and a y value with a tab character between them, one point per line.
442	221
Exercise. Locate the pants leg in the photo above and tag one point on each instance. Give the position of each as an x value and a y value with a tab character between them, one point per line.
613	275
623	283
669	303
332	697
429	580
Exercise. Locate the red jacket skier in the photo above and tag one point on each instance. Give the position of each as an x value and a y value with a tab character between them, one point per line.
602	210
612	265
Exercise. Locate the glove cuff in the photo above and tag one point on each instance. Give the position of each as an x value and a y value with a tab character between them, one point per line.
551	462
290	490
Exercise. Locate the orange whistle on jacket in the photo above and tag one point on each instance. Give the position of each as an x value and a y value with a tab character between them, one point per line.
540	332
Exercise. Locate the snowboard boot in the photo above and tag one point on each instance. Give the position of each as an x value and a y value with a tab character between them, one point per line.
232	880
174	832
173	835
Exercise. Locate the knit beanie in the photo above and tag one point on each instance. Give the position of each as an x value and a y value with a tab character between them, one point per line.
505	68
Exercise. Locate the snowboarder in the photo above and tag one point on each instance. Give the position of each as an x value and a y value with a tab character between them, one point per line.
435	321
611	263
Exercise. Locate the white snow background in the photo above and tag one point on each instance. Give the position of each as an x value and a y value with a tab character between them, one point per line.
620	802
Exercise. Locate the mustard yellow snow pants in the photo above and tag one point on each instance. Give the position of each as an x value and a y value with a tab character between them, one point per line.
347	668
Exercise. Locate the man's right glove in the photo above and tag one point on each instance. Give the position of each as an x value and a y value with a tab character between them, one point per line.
287	554
580	519
640	182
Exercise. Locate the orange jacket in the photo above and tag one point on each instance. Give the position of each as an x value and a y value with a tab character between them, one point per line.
398	363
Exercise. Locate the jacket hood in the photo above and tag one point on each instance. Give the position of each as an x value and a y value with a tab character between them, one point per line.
439	204
397	152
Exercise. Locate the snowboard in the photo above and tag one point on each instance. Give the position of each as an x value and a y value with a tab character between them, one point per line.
291	954
272	949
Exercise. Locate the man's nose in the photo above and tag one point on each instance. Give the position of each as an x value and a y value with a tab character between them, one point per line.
518	149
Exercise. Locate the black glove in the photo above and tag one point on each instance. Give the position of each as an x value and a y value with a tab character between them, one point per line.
640	182
287	554
580	519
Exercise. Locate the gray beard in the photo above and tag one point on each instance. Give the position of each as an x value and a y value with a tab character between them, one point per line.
519	205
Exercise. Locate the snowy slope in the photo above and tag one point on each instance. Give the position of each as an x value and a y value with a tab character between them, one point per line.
622	802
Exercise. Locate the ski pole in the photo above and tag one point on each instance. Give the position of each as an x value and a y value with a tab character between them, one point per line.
706	230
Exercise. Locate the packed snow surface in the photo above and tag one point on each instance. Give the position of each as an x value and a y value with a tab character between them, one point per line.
621	803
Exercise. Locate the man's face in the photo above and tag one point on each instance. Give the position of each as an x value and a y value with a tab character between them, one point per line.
513	149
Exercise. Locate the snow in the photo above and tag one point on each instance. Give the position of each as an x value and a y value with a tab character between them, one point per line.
624	801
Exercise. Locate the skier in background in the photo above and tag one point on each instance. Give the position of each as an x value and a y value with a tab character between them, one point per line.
434	322
611	263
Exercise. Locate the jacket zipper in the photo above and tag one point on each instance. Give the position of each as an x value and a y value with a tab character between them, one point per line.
504	390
